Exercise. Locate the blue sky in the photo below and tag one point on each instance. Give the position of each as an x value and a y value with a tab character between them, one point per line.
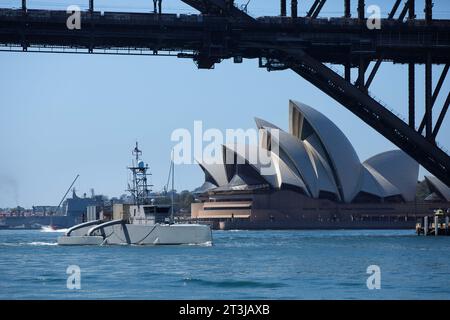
63	115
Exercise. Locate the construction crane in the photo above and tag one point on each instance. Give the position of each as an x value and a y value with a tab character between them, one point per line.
67	192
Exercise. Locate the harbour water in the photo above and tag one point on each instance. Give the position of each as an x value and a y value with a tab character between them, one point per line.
240	265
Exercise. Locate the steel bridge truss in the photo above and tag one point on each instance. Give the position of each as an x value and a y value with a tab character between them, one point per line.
306	45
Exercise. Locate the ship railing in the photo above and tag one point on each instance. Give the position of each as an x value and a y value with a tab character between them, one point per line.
105	225
82	225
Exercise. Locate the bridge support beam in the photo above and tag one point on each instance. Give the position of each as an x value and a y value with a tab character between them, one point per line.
439	84
394	9
428	98
294	8
228	4
348	72
347	13
362	68
361	73
361	9
411	7
411	78
319	7
428	11
217	7
23	38
404	12
315	8
380	60
373	73
157	6
283	8
435	94
441	116
370	111
408	8
411	96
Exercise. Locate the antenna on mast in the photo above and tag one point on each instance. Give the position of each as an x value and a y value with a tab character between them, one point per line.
171	178
137	153
139	187
173	190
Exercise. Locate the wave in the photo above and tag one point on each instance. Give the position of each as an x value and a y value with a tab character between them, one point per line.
204	244
22	244
51	230
40	243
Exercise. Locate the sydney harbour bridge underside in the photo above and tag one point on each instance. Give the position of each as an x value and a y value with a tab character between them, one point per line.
308	45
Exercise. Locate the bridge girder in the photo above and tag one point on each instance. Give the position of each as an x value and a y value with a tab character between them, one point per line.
371	112
218	8
301	44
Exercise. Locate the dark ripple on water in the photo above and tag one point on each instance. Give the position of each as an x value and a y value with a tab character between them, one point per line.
233	283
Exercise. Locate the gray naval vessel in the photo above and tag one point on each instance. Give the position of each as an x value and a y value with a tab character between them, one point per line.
140	223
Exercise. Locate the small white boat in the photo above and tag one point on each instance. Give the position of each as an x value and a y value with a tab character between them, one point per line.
141	223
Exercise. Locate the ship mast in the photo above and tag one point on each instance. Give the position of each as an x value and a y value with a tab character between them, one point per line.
139	187
173	190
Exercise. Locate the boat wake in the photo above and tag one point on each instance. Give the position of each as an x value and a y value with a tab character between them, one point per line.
24	244
52	230
40	243
204	244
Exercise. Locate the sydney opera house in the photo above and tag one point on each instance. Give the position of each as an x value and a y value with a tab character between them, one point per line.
317	181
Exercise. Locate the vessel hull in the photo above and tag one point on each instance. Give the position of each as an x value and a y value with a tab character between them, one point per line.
134	234
80	241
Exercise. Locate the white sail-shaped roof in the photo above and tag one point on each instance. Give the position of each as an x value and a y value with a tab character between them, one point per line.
439	187
315	156
293	153
205	187
399	169
305	163
216	170
261	123
327	139
374	183
277	174
285	176
249	155
323	172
